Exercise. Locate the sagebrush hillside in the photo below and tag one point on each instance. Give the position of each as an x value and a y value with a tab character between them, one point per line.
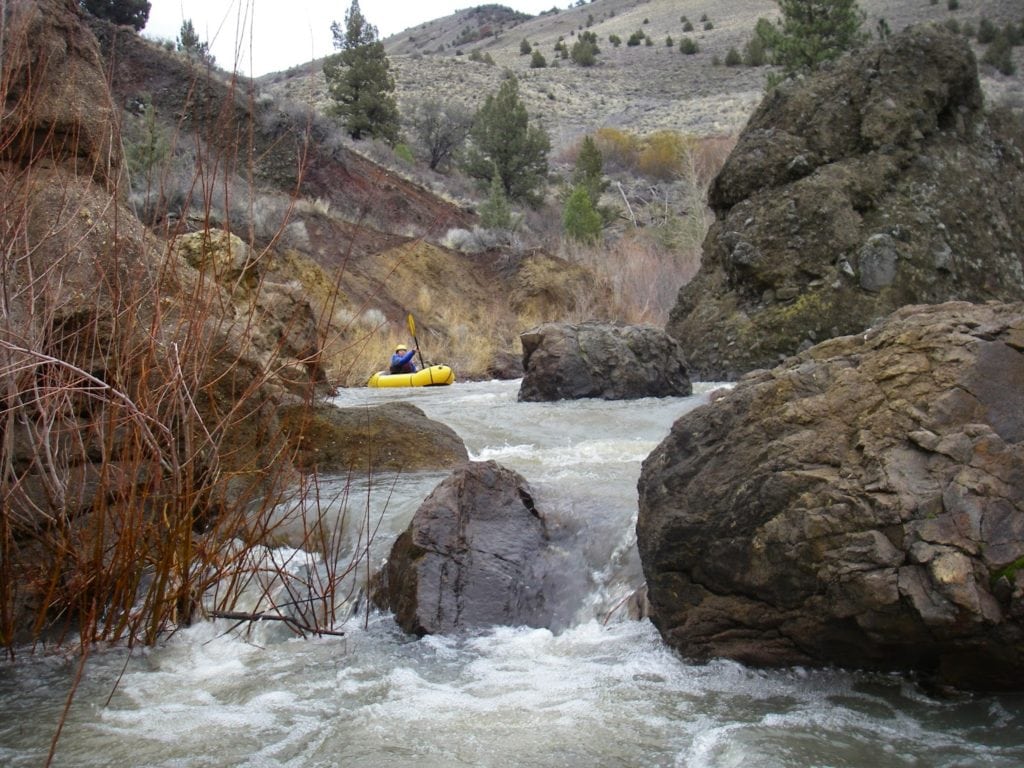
642	88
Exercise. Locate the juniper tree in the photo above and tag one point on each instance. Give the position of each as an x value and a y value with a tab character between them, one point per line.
503	142
999	54
146	155
190	44
589	170
580	219
131	13
813	31
495	212
585	50
188	40
688	46
359	79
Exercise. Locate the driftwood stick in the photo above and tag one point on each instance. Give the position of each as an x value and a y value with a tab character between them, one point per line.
626	201
243	616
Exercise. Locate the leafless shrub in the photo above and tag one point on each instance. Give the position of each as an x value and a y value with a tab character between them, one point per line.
481	240
140	481
269	213
641	275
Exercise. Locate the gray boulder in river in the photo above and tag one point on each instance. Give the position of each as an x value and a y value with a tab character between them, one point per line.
565	361
860	505
477	553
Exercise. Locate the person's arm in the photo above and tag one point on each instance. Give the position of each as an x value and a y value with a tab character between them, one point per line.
408	356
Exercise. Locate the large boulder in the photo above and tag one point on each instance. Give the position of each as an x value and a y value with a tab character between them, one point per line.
476	554
564	361
861	505
396	437
875	183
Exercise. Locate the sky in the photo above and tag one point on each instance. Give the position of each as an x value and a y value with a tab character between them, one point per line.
255	37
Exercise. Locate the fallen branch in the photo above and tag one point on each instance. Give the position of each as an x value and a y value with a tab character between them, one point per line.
241	616
626	201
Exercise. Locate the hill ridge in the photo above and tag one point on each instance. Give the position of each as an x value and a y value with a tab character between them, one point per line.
642	88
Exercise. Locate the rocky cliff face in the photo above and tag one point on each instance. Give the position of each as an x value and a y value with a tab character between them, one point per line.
876	183
861	505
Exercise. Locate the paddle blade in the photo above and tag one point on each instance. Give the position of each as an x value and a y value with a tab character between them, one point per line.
411	323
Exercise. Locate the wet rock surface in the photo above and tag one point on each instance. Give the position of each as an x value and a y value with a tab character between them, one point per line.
861	505
477	553
564	361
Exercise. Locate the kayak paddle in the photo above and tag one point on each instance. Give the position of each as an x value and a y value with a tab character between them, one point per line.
412	332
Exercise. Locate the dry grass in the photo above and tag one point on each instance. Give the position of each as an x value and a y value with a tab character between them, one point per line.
639	276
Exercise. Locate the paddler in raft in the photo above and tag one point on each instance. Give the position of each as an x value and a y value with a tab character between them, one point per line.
401	361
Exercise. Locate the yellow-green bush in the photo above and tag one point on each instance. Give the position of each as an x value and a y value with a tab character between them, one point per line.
662	154
618	148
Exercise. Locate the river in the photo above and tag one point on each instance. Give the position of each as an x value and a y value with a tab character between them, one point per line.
602	691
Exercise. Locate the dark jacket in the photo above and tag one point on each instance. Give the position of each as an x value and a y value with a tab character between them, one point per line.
403	363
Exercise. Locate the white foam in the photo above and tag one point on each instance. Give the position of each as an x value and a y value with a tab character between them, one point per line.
592	695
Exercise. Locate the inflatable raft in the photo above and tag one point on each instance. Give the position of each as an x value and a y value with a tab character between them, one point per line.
431	376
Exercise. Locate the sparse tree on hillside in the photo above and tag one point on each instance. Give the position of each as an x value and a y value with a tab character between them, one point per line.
999	54
755	54
813	31
359	79
149	152
503	142
189	43
188	40
580	219
585	50
986	31
441	129
589	170
131	13
495	213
